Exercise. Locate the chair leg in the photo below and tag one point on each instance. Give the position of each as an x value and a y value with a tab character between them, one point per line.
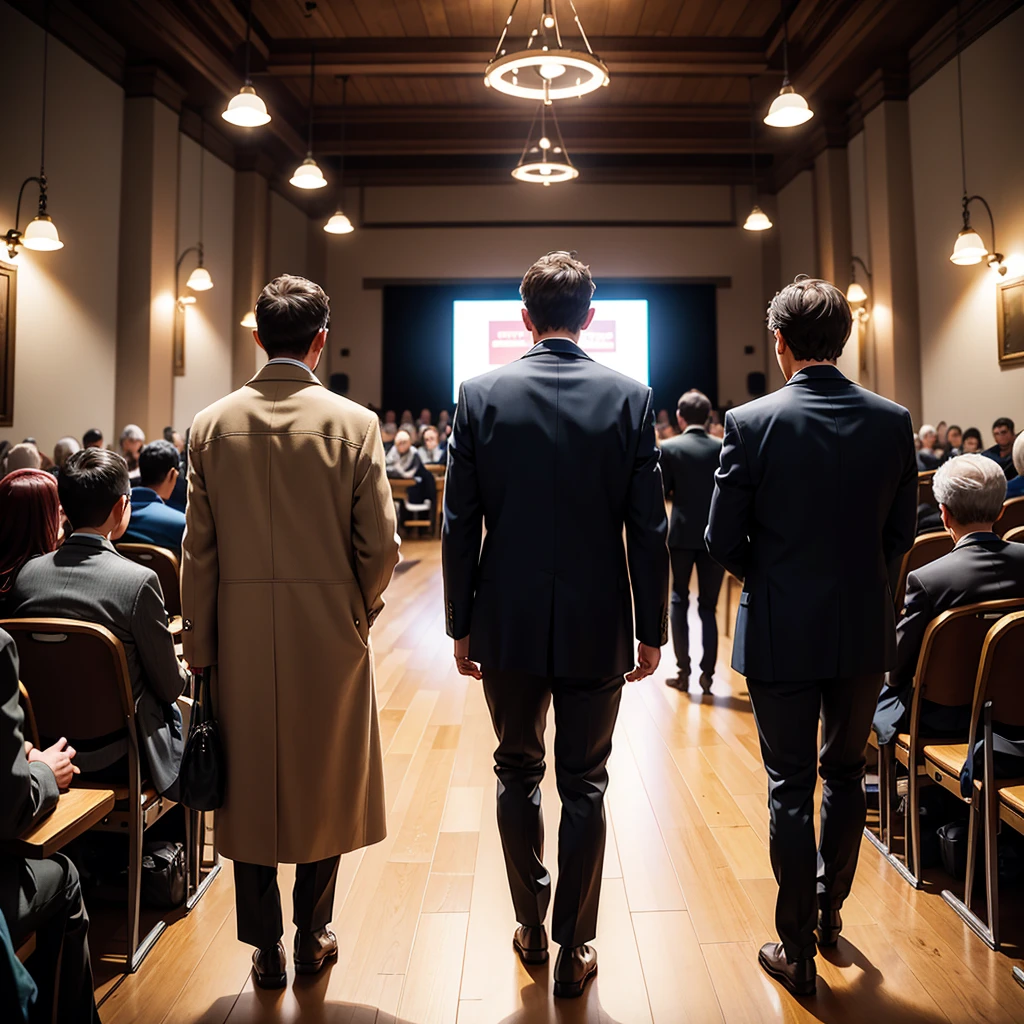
883	841
197	885
991	821
134	884
914	830
972	853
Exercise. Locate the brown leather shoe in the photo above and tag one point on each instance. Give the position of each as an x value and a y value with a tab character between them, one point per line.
830	924
679	682
531	943
799	976
574	967
314	949
268	967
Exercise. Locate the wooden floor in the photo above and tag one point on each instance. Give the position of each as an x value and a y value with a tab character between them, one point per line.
425	922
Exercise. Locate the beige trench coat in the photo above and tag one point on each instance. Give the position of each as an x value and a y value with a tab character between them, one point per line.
289	545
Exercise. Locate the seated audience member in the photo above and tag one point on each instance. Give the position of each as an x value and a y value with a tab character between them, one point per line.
87	579
940	435
981	567
404	464
1015	488
173	437
38	895
971	444
426	418
153	521
389	416
1002	450
92	438
61	450
30	523
131	441
954	443
23	456
388	432
927	457
406	416
432	451
443	420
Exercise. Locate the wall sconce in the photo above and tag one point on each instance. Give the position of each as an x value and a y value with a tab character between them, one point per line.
855	294
199	281
249	320
969	249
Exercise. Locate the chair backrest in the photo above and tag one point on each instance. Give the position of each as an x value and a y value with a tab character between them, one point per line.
31	732
78	677
1015	535
437	468
926	548
925	496
165	564
1012	517
999	675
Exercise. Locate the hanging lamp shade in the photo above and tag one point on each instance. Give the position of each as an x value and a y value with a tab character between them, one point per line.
757	220
788	109
308	175
339	224
41	235
968	248
199	280
246	109
249	320
544	160
855	294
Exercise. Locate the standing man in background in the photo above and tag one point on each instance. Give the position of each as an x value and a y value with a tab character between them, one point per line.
815	505
688	465
555	454
289	545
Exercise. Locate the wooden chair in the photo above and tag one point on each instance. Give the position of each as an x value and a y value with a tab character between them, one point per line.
926	548
1011	812
165	564
1012	517
32	733
81	689
1015	535
925	496
997	697
946	673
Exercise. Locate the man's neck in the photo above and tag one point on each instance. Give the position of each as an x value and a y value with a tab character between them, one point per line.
567	335
93	531
958	531
802	364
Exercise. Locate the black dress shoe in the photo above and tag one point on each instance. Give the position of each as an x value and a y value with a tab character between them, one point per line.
574	967
314	949
268	967
680	682
705	681
799	976
830	924
531	943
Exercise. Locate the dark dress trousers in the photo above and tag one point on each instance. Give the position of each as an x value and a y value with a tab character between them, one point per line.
41	896
555	454
688	465
815	505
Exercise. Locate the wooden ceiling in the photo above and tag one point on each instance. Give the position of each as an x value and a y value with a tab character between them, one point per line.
683	73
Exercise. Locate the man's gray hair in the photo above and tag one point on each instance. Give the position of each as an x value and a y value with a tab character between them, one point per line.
63	448
1018	454
926	430
132	432
971	487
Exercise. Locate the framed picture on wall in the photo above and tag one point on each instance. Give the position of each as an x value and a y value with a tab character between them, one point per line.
1010	318
8	297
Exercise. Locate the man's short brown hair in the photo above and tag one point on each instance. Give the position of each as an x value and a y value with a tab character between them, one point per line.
557	291
290	313
694	407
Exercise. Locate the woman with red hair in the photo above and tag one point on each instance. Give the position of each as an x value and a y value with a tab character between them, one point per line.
30	521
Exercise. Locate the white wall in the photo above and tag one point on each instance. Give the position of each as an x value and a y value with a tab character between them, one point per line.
67	300
286	253
208	323
961	377
796	226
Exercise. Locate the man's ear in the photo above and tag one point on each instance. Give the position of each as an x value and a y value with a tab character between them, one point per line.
527	322
589	320
946	520
780	342
256	335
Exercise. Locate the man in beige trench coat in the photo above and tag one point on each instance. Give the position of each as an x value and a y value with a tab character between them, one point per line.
289	544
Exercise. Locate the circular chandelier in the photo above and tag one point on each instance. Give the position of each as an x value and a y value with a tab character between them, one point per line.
544	68
544	160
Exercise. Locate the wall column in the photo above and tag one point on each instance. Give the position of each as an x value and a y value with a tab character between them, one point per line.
147	253
252	227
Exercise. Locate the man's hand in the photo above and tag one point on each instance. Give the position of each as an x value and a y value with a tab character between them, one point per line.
647	661
58	759
466	667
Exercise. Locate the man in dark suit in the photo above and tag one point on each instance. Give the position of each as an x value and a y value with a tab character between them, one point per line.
688	464
981	567
87	579
555	454
815	505
153	521
38	895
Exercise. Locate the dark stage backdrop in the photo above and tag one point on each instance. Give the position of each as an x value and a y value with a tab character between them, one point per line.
418	339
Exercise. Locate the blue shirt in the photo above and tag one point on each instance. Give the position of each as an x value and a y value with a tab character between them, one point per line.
1015	488
153	522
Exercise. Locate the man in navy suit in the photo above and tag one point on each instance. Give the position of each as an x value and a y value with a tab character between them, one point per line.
153	521
815	505
555	454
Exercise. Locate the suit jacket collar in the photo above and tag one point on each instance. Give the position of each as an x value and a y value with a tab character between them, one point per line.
560	346
694	429
981	537
828	373
145	496
89	540
286	371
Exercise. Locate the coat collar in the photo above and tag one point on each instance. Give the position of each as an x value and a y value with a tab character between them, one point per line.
561	346
695	428
145	496
89	540
286	371
981	537
829	373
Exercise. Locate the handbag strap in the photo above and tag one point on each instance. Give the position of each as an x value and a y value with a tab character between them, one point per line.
201	710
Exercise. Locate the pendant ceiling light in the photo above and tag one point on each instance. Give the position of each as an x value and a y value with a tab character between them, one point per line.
757	219
789	108
41	233
544	68
969	249
308	173
339	224
246	109
544	160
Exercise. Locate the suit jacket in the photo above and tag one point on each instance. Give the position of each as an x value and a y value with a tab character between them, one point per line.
289	545
980	568
154	522
87	579
688	464
815	505
555	454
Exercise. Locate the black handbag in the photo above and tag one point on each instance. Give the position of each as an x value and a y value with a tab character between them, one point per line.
163	875
201	780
